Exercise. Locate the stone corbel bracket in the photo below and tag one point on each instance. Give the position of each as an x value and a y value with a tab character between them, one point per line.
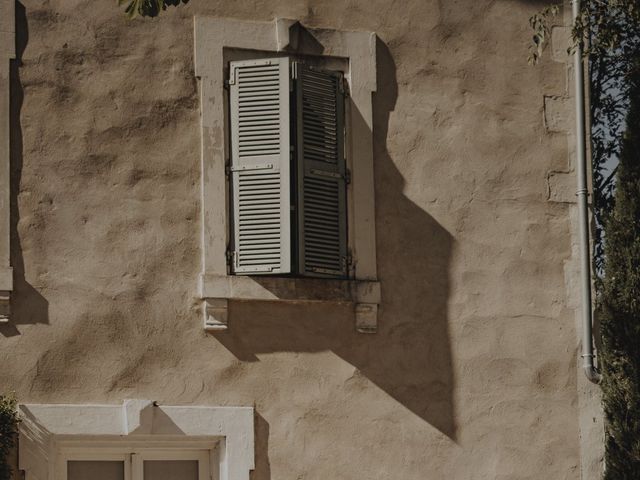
217	291
286	29
7	53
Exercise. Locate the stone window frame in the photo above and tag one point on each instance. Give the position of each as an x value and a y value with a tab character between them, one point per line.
7	53
216	287
48	432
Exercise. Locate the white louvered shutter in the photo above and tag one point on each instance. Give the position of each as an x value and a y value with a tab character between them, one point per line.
321	173
260	165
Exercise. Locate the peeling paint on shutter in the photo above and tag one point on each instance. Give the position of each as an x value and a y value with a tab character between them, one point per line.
260	166
321	173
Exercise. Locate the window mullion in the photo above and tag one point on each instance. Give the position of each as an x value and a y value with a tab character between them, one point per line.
135	467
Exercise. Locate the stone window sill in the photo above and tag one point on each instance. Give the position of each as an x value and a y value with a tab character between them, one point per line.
217	291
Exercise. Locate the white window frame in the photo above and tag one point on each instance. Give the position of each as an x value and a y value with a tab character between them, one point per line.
216	287
51	435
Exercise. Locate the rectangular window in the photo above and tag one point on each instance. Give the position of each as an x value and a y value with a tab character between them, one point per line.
170	470
141	464
95	470
288	170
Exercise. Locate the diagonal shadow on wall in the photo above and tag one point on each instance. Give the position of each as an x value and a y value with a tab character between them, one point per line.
410	356
28	306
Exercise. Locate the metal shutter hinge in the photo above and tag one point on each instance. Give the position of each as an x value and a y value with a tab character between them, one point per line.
232	257
347	176
347	261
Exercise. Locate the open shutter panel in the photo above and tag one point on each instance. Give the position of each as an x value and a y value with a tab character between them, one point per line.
321	188
260	166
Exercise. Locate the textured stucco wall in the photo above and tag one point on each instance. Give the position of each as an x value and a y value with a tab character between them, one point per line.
472	374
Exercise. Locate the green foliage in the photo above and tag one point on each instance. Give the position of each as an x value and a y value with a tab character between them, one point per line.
609	34
8	430
603	28
612	39
619	307
147	8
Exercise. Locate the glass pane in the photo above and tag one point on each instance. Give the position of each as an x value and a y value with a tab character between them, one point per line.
95	470
171	470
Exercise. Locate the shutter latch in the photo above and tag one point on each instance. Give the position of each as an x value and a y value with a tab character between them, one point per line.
347	261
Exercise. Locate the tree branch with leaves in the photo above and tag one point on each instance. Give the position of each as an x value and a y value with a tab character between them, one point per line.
147	8
609	34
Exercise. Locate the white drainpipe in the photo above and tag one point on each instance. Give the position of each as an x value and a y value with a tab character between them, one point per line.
583	214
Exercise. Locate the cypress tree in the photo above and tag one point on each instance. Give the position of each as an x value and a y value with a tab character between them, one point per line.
619	306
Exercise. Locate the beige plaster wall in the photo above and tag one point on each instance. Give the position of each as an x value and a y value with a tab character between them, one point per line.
472	374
